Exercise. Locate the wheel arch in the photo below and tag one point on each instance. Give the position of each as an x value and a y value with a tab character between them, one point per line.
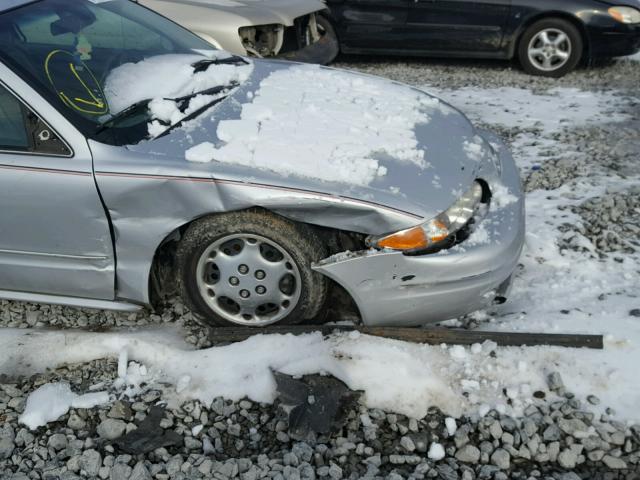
162	278
547	15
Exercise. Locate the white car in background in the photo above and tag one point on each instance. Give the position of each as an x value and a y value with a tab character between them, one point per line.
291	29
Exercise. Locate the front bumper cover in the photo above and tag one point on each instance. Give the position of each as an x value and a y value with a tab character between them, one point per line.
619	41
393	289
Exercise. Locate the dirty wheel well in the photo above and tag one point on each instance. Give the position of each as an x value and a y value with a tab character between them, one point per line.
163	283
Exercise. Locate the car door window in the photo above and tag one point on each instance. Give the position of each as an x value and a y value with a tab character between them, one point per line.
21	130
13	132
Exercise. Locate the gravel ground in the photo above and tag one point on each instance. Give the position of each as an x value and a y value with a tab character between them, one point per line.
559	436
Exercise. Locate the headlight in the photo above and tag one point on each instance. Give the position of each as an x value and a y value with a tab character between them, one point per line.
437	229
625	14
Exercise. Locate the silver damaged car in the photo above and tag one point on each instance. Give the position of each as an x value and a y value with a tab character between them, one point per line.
293	29
136	163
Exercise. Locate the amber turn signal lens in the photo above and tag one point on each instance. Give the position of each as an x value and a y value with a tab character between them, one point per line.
405	239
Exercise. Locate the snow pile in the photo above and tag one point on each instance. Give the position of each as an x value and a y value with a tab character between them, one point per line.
164	77
396	376
474	148
325	124
50	401
635	58
501	196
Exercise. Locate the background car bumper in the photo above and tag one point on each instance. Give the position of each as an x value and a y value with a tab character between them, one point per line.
393	289
621	41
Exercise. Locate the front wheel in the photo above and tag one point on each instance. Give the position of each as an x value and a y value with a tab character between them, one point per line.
552	47
251	269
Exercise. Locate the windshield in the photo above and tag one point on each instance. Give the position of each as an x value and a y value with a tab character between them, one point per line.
79	55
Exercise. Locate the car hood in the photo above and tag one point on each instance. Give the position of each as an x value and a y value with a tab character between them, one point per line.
244	12
341	134
624	3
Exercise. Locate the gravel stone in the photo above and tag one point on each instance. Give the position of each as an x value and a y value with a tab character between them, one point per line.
120	410
593	400
120	471
501	459
567	458
57	441
407	444
554	381
613	462
496	430
552	433
90	462
571	426
110	428
140	472
468	454
75	422
7	442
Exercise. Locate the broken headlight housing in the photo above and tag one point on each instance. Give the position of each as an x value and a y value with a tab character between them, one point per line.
438	231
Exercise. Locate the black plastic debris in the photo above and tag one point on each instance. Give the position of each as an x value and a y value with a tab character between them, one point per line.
315	404
149	435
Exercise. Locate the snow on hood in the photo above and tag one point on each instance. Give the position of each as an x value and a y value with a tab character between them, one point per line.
167	76
323	124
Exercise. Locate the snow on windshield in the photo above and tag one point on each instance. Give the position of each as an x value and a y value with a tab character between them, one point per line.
167	76
324	124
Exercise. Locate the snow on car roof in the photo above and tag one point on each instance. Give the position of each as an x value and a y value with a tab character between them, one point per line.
320	123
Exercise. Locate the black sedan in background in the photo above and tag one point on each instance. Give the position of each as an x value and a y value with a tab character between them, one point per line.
548	37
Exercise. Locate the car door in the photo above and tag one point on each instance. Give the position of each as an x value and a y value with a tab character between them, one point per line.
54	232
462	26
370	24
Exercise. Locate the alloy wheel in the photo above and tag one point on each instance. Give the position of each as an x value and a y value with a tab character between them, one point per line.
549	49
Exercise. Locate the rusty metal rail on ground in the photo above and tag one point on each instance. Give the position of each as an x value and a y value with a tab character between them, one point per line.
430	336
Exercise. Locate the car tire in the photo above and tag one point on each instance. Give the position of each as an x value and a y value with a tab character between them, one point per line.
251	268
551	47
324	24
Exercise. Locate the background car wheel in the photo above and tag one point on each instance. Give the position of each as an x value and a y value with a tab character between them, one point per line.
551	47
326	29
251	269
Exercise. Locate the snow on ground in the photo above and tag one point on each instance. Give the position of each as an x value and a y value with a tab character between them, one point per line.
635	57
566	290
547	113
396	376
340	124
52	400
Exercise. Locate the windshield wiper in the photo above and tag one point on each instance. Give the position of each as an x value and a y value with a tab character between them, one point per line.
118	117
183	102
202	65
192	115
